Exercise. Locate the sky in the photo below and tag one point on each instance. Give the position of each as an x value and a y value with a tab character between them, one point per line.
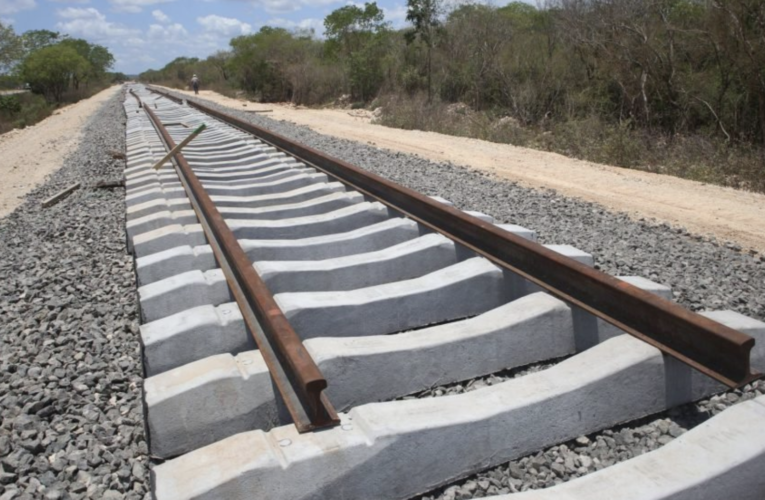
147	34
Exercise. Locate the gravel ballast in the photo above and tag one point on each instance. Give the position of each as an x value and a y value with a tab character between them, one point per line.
704	275
70	389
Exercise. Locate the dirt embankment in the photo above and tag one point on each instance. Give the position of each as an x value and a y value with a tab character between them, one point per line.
29	155
725	213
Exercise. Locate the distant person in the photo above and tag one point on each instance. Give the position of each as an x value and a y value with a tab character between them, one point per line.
195	84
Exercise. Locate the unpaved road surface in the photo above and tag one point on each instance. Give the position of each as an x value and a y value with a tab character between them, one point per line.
28	156
727	214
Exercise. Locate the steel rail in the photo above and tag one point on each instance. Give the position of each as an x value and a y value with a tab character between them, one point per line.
140	104
706	345
293	370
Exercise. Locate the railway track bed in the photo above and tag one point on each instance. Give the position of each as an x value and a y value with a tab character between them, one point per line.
389	312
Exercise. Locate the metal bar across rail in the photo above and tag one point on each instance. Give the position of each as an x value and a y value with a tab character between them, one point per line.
295	374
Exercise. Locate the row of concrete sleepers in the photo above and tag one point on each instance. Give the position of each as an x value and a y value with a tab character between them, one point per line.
386	308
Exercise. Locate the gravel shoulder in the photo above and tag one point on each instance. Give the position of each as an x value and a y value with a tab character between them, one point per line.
29	155
71	419
724	213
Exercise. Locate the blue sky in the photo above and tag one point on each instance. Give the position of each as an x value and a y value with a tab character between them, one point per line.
145	34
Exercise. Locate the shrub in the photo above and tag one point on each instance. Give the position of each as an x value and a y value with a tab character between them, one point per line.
9	104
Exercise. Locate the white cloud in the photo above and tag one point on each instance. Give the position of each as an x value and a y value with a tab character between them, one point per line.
283	6
224	26
133	6
89	23
173	33
81	2
134	41
79	13
317	25
14	6
160	16
278	6
395	15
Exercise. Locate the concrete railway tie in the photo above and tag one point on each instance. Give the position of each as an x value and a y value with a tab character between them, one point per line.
386	308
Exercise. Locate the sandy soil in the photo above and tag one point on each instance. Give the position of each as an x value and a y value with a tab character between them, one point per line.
29	155
727	214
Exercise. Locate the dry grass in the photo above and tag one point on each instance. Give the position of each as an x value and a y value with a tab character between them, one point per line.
693	157
25	109
22	110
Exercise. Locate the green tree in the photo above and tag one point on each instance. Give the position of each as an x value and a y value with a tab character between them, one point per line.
263	62
82	48
182	68
425	16
358	37
10	47
737	29
37	39
349	28
99	59
220	61
478	40
50	70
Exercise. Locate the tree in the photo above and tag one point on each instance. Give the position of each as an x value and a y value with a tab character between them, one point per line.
738	31
99	59
49	70
10	47
359	36
349	28
220	61
476	38
37	39
83	50
425	15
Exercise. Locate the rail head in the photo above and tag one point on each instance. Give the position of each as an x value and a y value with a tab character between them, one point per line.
706	345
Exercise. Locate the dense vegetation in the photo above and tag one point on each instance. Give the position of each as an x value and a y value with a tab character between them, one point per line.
675	86
57	69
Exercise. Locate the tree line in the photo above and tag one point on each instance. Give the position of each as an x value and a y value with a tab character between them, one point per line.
622	81
676	65
51	64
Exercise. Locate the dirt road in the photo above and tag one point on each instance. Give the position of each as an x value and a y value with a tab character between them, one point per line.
725	213
29	155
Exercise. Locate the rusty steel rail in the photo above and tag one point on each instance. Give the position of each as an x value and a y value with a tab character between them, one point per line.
297	378
706	345
140	104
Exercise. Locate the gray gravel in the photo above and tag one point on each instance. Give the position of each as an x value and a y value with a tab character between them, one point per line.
70	372
704	274
583	455
483	381
591	453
